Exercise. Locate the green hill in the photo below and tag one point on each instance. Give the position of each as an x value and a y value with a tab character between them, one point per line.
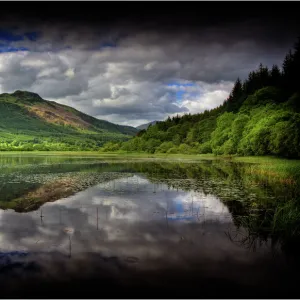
28	122
260	117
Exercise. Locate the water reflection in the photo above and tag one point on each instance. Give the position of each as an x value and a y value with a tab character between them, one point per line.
138	221
112	211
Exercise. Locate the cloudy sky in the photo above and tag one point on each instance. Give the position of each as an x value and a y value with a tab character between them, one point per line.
135	69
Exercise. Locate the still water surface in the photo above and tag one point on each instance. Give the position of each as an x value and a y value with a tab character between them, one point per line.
79	227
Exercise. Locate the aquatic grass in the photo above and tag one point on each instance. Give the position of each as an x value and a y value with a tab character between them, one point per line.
283	173
286	170
287	219
279	224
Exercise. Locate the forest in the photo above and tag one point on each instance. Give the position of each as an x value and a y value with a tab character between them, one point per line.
261	116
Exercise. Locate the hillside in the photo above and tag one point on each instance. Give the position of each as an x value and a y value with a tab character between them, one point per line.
145	126
28	122
260	117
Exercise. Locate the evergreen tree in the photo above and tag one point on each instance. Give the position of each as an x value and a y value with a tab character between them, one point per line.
296	67
237	90
235	96
264	78
288	71
276	77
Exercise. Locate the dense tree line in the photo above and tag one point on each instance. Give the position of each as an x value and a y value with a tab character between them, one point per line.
261	116
52	142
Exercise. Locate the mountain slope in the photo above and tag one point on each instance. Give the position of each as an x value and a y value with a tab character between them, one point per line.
145	126
28	122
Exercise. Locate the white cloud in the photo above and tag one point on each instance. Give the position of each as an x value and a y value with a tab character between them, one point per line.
70	73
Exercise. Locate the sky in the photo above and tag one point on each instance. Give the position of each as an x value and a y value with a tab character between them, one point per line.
132	68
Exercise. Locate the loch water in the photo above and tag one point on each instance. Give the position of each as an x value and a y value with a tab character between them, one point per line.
94	227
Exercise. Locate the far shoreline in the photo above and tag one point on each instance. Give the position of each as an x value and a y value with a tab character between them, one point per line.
208	156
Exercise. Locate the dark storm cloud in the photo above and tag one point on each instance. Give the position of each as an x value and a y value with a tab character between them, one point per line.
117	65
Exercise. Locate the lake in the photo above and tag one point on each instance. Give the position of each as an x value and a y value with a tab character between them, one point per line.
75	226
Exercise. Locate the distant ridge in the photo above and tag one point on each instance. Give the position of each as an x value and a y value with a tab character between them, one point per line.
145	126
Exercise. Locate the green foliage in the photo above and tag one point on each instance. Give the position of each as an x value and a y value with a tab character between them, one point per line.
293	102
111	146
164	147
222	133
173	150
185	149
204	148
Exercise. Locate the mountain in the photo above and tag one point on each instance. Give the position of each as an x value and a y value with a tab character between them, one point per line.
145	126
28	122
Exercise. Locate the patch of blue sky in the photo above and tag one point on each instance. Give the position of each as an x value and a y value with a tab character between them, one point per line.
180	92
179	83
7	48
8	39
179	96
176	218
194	94
8	36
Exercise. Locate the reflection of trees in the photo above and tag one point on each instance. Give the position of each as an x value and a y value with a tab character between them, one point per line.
33	186
278	228
246	232
31	173
268	217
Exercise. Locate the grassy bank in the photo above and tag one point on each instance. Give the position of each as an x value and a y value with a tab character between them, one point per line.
268	167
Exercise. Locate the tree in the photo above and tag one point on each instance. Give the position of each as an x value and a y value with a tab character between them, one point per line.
237	129
222	133
237	90
236	96
288	72
276	77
